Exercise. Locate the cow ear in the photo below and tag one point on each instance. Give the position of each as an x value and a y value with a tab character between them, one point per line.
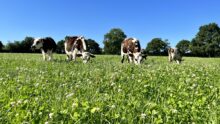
78	55
92	55
144	56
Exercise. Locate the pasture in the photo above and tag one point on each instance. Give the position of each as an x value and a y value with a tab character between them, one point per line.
106	91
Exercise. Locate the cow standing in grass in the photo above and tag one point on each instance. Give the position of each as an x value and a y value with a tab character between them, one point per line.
131	49
174	55
46	45
75	46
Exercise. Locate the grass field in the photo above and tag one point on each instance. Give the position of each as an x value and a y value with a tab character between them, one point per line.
106	91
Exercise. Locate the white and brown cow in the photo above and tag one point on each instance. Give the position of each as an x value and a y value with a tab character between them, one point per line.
174	55
131	48
46	45
75	46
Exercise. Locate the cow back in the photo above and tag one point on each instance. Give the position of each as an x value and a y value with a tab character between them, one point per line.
69	41
48	44
130	46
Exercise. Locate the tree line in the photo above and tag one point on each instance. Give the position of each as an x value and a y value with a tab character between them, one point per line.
206	43
24	46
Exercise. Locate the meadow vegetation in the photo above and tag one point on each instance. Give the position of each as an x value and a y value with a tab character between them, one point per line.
106	91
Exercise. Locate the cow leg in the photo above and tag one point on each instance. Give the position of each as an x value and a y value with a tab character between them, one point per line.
50	55
130	59
170	58
74	54
122	57
69	57
178	61
44	54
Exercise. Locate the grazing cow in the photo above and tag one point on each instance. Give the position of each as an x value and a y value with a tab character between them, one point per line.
131	48
46	45
175	55
75	46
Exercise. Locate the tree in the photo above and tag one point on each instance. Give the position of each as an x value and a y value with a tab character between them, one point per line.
26	44
1	46
13	47
157	46
183	46
93	46
112	41
23	46
60	46
207	41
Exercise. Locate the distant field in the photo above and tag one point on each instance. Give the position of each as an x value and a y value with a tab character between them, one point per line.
106	91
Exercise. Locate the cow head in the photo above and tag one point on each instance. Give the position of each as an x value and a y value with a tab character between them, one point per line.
137	57
37	44
86	56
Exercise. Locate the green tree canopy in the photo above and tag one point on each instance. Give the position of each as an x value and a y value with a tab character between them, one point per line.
183	46
112	41
157	46
1	46
13	47
93	46
25	44
60	46
207	41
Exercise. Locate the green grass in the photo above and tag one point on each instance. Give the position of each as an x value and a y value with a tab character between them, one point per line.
106	91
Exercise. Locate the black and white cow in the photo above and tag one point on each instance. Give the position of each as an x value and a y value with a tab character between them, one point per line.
75	46
174	55
131	48
46	45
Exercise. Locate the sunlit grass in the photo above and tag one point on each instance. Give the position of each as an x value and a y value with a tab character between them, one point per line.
106	91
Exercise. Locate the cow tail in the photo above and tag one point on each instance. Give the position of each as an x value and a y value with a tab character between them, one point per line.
122	46
65	46
84	45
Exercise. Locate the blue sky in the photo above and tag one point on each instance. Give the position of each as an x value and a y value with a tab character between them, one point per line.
144	19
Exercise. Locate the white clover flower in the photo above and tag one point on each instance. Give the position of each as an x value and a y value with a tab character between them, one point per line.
74	105
36	99
143	115
40	113
112	84
19	101
113	106
194	85
119	90
95	109
46	122
51	115
174	110
37	84
26	101
12	103
69	95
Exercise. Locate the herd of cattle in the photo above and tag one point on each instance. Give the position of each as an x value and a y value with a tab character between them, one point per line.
75	46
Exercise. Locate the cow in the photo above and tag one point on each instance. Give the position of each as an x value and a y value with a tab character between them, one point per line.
47	46
75	46
131	48
174	55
